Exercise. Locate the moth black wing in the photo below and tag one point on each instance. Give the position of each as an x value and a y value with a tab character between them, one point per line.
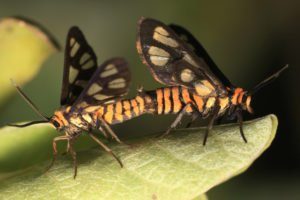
200	51
171	61
110	82
79	66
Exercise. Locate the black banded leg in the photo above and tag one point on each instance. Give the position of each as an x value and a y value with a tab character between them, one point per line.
54	146
109	130
211	123
195	116
73	154
177	120
240	121
106	148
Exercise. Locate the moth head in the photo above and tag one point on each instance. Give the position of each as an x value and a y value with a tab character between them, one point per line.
242	99
56	122
246	102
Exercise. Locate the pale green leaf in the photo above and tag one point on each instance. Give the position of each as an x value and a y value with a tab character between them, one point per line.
24	47
176	167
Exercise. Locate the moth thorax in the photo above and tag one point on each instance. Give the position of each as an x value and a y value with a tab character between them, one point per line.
241	98
78	122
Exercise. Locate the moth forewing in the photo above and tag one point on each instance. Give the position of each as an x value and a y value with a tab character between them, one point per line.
170	59
80	64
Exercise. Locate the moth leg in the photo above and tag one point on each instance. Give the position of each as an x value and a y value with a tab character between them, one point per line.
54	146
109	130
195	116
240	121
177	120
73	154
103	131
106	148
211	122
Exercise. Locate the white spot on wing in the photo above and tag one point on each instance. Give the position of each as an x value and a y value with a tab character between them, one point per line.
158	56
187	75
74	49
155	51
72	41
95	88
117	83
161	31
73	74
101	97
165	40
109	70
159	61
84	58
88	65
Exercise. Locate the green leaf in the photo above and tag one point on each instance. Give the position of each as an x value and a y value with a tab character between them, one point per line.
24	47
176	167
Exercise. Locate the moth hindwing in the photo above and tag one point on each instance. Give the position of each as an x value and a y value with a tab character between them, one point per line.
80	64
172	62
109	82
195	46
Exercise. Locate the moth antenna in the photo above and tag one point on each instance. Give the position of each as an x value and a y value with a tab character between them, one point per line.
28	124
29	102
268	80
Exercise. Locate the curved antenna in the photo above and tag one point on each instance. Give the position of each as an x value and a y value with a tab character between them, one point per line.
28	124
268	80
29	102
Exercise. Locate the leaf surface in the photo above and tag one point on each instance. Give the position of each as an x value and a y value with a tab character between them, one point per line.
176	167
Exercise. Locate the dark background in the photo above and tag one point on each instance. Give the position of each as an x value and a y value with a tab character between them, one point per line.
247	39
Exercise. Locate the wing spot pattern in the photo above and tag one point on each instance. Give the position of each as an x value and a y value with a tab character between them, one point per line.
161	35
117	83
84	58
74	49
88	65
100	97
95	88
187	75
72	41
73	74
204	88
161	31
109	70
158	56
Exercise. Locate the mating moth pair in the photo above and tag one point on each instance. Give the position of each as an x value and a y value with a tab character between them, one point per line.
92	96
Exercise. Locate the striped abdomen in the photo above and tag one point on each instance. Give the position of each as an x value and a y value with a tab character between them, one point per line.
123	110
170	100
174	99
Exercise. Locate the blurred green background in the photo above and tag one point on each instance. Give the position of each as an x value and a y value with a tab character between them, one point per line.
247	39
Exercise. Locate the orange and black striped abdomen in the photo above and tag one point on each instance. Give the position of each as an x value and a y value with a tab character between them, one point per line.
172	100
123	110
169	100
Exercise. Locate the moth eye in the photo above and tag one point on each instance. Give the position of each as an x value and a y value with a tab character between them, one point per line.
56	124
